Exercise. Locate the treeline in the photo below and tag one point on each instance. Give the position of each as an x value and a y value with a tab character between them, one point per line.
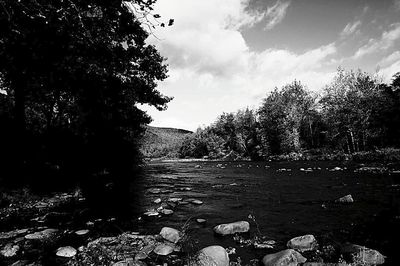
356	112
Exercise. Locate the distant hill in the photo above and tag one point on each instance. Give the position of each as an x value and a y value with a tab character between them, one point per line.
160	142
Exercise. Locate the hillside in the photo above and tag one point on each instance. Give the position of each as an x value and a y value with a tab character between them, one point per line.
162	142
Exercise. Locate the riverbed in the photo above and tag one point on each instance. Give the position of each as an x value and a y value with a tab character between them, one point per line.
281	200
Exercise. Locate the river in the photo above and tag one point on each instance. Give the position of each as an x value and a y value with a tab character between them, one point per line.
284	200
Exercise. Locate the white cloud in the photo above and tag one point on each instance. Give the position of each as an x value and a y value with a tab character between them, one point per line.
212	69
389	71
386	41
276	13
351	28
393	57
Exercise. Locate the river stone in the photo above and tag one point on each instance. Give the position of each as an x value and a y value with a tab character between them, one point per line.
163	249
170	234
197	202
363	255
151	213
303	243
9	250
46	234
287	257
157	201
175	200
201	221
211	256
144	252
82	232
66	252
167	211
232	228
345	199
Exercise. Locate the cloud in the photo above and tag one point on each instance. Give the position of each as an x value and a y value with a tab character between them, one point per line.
212	68
386	41
350	28
389	71
393	57
276	14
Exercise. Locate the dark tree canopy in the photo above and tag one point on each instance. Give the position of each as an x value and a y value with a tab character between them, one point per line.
74	72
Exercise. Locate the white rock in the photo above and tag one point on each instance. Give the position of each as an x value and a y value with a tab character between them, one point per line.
163	249
345	199
9	250
303	243
232	228
167	211
151	213
211	256
157	201
170	234
287	257
67	252
82	232
201	221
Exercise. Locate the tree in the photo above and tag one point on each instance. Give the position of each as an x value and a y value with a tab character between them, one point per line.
281	115
76	70
348	104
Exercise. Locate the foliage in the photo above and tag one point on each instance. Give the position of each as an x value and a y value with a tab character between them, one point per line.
162	142
355	113
73	72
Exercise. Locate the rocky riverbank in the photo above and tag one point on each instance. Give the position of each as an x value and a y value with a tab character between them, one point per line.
53	236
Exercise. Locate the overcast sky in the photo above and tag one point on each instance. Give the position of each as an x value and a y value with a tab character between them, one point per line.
224	55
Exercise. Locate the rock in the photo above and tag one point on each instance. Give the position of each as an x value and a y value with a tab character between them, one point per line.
66	252
197	166
363	255
303	243
9	250
196	202
155	191
264	244
211	256
170	234
82	232
44	235
345	199
12	234
232	228
287	257
163	249
157	201
175	200
151	213
144	252
167	211
201	221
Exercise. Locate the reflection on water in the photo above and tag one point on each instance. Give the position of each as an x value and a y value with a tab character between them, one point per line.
286	202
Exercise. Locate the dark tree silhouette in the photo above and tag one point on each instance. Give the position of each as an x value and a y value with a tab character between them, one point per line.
72	74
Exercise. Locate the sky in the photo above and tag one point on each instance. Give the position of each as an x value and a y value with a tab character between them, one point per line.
226	55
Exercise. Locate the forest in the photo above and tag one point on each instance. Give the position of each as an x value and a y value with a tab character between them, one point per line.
355	113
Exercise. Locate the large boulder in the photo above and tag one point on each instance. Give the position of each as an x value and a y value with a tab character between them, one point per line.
211	256
66	252
232	228
170	234
287	257
363	255
303	243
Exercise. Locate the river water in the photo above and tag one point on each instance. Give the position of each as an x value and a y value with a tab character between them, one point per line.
285	201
